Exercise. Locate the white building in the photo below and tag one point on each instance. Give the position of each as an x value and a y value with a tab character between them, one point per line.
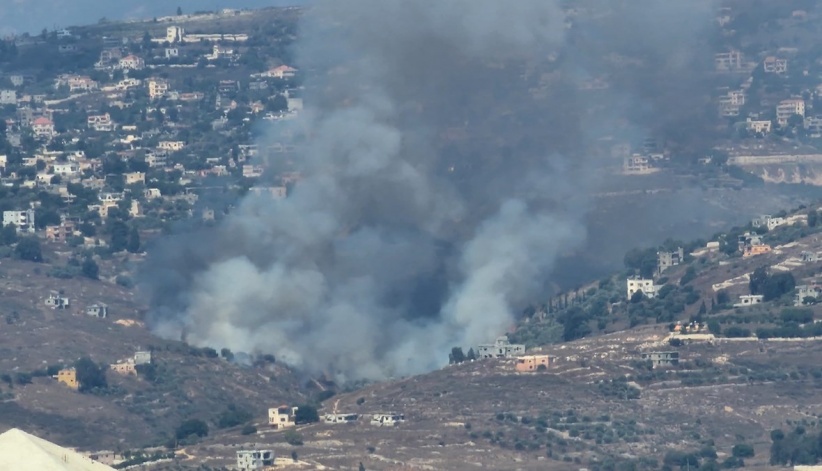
787	108
22	220
758	126
774	65
8	97
100	123
501	348
249	460
66	169
387	419
131	62
340	418
746	300
641	284
769	221
728	61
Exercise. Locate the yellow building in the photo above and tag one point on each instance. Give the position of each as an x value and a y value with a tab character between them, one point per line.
755	250
68	376
533	363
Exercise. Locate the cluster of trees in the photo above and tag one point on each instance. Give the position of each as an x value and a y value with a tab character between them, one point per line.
797	447
458	356
91	376
771	285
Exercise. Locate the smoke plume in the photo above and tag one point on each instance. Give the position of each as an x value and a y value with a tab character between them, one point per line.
446	154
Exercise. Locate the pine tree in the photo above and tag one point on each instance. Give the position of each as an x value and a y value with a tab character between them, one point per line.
133	241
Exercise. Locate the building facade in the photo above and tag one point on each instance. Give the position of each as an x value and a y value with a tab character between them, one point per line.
251	460
501	348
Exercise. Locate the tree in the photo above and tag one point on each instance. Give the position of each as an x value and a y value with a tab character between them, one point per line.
90	268
46	217
248	430
28	248
227	354
472	355
306	414
456	356
191	427
233	416
758	279
292	437
133	245
90	375
743	450
179	11
8	235
813	218
361	468
119	236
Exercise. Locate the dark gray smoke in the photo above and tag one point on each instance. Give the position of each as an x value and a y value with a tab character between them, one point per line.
446	154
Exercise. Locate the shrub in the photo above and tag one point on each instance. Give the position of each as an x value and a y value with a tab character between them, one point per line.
306	414
248	430
743	450
191	427
292	437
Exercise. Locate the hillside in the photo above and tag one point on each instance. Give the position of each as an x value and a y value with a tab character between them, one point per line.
482	415
134	411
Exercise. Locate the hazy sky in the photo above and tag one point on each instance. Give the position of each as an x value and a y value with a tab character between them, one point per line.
19	16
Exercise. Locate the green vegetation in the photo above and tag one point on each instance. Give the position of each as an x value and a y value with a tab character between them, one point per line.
191	428
90	376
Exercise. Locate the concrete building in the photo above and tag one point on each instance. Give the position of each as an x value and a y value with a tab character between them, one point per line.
98	310
531	363
755	250
100	123
775	65
730	61
57	301
636	164
809	257
340	418
746	300
133	178
8	97
131	62
501	348
806	291
22	220
666	260
282	417
661	358
142	357
157	88
636	283
60	233
387	420
43	127
124	368
768	221
788	108
251	460
758	126
68	376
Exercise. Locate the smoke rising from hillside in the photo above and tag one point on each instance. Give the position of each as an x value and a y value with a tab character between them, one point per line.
398	244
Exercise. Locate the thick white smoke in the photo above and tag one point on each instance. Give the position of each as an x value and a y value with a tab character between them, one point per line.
384	257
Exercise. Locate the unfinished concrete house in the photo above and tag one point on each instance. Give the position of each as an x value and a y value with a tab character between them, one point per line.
501	348
387	419
250	460
666	260
340	418
746	300
57	301
661	358
98	310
